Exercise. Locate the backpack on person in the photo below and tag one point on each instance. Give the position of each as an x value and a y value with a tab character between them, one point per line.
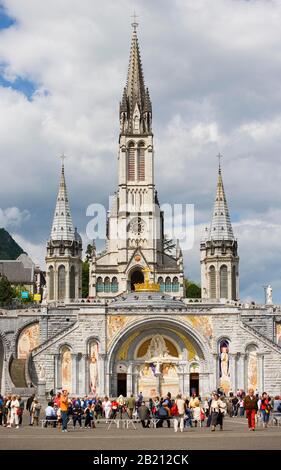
162	412
174	410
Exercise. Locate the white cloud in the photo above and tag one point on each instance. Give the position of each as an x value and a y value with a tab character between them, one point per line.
13	217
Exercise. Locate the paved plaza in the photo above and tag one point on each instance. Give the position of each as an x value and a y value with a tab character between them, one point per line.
235	436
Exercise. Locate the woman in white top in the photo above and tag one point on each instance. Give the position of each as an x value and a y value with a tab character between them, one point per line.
106	406
179	419
218	409
14	418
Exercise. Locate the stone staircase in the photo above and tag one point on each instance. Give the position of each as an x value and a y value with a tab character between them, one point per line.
260	336
17	373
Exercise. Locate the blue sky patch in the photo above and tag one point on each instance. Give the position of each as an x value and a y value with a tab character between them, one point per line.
20	84
5	20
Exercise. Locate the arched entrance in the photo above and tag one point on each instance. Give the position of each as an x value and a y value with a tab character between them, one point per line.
136	277
157	357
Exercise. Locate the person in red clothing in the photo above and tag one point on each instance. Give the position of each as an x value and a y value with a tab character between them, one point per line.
265	408
251	407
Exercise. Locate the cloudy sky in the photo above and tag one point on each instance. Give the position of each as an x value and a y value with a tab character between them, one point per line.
214	74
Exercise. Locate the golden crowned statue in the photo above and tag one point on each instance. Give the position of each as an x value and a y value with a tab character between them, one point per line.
147	286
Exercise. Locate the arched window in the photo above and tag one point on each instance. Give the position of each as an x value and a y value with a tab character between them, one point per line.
72	283
141	162
223	282
99	284
61	283
168	284
131	162
114	285
51	283
175	285
233	283
107	284
162	285
212	282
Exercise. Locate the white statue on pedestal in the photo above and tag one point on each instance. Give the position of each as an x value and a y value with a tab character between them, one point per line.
269	295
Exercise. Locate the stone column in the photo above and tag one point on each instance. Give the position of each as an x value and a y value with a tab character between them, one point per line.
186	382
216	377
232	372
74	374
260	358
158	376
67	283
135	378
41	390
56	371
241	375
102	385
87	374
130	379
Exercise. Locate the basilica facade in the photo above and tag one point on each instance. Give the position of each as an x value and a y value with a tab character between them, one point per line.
136	331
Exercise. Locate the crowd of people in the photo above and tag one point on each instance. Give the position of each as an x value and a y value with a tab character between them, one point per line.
181	412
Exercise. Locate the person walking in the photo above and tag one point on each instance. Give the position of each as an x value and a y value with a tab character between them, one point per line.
28	408
20	410
64	409
35	412
14	419
131	403
218	408
265	408
251	407
178	411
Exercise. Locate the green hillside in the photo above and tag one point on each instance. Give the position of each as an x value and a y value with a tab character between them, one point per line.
9	249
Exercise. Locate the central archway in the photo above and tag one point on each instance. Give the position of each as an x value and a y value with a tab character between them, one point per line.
135	353
136	277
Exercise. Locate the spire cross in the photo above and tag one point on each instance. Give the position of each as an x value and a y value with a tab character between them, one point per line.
219	157
63	157
134	24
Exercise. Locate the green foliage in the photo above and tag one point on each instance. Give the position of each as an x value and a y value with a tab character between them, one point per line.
6	291
192	290
9	249
85	279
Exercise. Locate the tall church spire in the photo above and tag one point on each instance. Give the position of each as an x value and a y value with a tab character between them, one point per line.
64	252
219	256
135	107
62	228
221	228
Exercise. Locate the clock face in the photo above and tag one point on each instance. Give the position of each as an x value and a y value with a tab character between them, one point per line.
137	226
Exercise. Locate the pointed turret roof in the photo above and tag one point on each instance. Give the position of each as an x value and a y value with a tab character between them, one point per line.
135	81
135	94
62	228
221	228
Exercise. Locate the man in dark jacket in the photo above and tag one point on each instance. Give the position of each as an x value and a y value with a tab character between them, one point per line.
251	407
144	415
28	407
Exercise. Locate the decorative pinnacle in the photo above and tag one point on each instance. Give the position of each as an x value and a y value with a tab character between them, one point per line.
62	157
219	157
134	23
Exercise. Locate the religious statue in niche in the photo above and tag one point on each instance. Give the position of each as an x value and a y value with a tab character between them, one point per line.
93	367
66	369
224	366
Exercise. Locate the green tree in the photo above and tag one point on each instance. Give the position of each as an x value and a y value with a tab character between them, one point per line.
192	290
85	279
6	291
